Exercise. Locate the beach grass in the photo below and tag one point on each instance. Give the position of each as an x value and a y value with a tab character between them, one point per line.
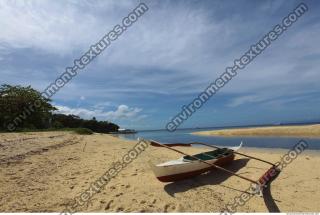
75	130
83	131
286	131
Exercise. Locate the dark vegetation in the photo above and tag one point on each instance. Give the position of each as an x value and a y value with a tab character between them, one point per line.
83	131
72	121
14	100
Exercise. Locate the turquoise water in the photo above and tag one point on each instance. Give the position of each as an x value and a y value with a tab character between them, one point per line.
185	136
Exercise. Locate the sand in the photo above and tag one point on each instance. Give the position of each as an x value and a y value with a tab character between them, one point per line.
289	131
43	172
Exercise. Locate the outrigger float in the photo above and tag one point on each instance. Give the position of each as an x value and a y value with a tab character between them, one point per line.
192	165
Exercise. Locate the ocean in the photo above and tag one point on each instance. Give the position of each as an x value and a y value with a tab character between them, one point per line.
185	136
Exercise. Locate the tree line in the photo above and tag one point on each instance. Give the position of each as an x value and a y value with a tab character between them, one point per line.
15	99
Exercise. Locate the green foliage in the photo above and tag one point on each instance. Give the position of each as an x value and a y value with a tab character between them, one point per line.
20	101
83	131
72	121
17	104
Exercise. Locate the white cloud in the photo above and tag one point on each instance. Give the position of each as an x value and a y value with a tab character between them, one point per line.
244	99
123	112
174	49
56	26
103	105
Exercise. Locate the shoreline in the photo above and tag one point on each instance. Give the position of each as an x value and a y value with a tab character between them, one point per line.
304	131
44	172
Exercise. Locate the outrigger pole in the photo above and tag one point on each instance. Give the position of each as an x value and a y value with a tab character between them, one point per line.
216	147
210	164
267	177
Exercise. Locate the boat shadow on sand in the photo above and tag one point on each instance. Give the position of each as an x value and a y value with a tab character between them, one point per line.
216	177
213	177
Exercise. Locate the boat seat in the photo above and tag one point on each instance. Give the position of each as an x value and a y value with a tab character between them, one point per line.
218	153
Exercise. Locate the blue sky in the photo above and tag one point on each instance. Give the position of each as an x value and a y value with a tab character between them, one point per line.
166	59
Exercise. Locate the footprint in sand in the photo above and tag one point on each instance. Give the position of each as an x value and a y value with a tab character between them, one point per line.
120	209
134	200
108	205
168	207
119	194
143	202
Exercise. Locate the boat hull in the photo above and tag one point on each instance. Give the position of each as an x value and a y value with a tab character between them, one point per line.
165	174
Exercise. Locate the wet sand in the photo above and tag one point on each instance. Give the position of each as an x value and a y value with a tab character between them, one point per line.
45	171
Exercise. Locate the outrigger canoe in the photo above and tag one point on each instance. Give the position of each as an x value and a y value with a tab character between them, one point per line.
189	166
192	165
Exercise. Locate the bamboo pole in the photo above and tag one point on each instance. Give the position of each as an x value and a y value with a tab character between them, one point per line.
212	146
216	147
212	165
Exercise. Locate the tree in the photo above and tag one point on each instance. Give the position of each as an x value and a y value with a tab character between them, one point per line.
15	99
72	121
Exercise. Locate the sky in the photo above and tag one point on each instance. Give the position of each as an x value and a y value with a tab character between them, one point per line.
165	59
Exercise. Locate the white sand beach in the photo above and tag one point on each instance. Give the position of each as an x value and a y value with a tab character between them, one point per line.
45	171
